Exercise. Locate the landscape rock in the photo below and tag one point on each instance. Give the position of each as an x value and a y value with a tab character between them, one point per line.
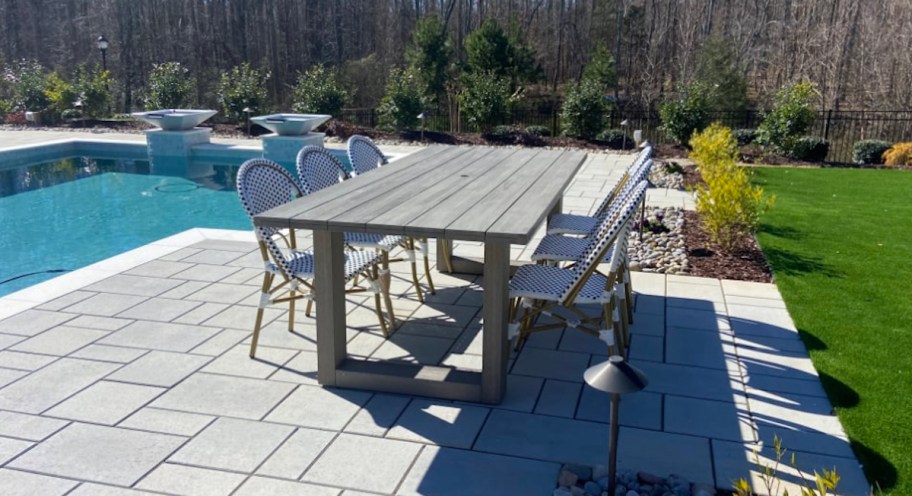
582	471
703	490
567	478
592	489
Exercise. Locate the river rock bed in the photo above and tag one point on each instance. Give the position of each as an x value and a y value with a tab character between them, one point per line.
581	480
661	248
665	174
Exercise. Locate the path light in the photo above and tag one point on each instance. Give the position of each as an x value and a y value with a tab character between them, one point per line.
247	110
624	124
616	377
422	117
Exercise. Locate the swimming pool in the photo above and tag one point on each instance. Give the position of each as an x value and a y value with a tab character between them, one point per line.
64	214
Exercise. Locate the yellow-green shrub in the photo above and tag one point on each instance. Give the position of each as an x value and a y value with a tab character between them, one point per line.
899	154
728	204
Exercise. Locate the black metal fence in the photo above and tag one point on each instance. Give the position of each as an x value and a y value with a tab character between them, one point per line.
841	128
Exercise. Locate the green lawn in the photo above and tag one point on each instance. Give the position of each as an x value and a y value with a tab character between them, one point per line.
840	244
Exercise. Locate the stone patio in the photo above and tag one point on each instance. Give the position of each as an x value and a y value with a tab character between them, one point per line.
133	373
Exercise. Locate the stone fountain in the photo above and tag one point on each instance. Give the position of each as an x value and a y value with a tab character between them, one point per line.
177	132
290	133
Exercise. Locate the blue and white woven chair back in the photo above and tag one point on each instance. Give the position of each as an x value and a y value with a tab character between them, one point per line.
262	185
620	199
318	169
364	154
644	155
598	245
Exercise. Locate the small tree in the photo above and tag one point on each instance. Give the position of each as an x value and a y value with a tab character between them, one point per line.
429	56
94	88
490	49
686	113
728	204
170	86
401	105
583	112
600	68
792	114
242	87
61	96
722	75
484	99
318	91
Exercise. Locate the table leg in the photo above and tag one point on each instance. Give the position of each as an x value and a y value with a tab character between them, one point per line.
495	348
444	255
558	208
329	277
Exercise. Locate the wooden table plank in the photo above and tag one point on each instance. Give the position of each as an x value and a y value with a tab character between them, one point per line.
364	188
481	217
409	194
530	209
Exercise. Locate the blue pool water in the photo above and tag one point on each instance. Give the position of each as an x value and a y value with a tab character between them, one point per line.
73	212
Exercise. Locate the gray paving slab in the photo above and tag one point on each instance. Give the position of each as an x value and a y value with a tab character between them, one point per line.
543	438
707	418
559	398
644	410
243	317
413	349
318	407
18	483
105	304
7	340
522	393
160	368
191	481
92	489
24	361
699	348
160	336
105	402
446	471
65	300
104	353
696	382
220	343
46	387
61	340
378	415
10	448
159	309
158	268
98	322
548	364
262	486
222	293
206	272
99	454
232	444
237	361
688	456
302	369
32	322
439	423
167	421
134	285
28	427
222	395
293	457
344	461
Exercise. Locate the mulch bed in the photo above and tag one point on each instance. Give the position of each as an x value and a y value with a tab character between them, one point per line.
706	260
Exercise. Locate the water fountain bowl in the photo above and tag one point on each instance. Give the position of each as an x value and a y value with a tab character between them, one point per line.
291	124
175	119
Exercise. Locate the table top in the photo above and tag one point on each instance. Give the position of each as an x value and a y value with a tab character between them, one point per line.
471	193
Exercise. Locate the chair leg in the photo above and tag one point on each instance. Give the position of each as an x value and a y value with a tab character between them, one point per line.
427	266
375	274
385	279
309	307
264	297
291	309
410	244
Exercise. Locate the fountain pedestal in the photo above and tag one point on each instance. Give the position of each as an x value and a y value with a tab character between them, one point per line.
284	149
175	143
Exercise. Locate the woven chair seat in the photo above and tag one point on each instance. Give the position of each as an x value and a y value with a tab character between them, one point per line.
372	241
555	248
301	263
541	282
571	224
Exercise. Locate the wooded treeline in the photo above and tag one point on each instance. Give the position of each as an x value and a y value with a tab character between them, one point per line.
856	51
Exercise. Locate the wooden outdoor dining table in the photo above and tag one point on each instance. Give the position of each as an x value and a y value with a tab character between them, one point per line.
499	196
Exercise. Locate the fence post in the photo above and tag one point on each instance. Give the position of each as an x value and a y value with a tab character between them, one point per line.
826	125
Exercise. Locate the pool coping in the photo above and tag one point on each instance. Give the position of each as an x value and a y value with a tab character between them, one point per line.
46	291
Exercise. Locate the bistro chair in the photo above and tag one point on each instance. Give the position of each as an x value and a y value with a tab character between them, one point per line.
289	272
562	293
583	224
365	156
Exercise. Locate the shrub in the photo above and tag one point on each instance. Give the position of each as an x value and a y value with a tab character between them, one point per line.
484	99
62	97
601	67
583	112
744	137
28	83
685	114
170	86
401	105
539	131
898	154
502	133
6	107
729	206
94	88
869	151
242	87
615	138
771	482
791	115
318	91
429	56
810	148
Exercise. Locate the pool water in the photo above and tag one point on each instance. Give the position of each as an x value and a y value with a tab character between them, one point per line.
70	213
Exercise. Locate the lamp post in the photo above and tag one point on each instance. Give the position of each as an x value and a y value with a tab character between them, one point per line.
102	44
616	377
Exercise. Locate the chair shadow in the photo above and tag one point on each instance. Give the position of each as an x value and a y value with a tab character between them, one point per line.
789	263
785	232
